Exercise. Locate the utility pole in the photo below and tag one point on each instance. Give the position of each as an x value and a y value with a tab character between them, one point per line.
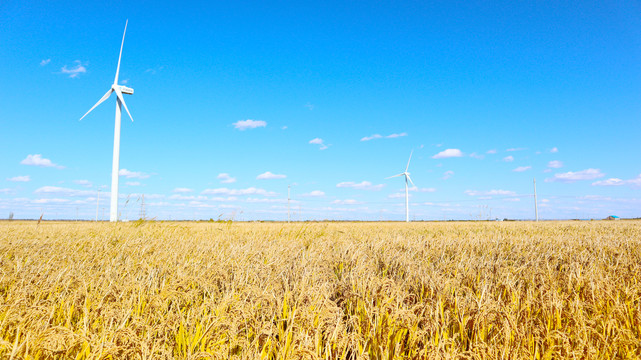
536	206
97	205
289	218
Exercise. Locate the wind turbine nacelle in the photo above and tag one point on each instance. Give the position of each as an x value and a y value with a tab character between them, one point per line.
126	90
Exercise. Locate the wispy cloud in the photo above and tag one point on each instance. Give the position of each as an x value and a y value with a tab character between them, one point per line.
490	193
132	174
75	70
309	106
45	62
24	178
225	178
508	158
570	176
554	150
363	185
38	160
132	183
85	183
6	191
234	192
515	149
60	191
153	71
448	153
423	190
477	156
522	168
315	193
636	182
397	195
270	176
379	136
243	125
182	190
493	151
347	202
555	164
318	141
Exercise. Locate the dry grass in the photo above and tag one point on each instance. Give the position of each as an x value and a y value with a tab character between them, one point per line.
320	291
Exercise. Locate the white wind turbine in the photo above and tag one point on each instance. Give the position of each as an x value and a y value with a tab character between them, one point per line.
120	101
407	196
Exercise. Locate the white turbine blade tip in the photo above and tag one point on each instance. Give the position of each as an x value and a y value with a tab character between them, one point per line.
408	161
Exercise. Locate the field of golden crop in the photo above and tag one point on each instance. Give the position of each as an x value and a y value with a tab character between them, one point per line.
151	290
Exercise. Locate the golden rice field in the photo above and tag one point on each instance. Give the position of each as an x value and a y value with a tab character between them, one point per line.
152	290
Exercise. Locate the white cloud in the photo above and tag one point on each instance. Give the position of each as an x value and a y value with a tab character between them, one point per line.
284	127
45	62
364	185
270	176
248	191
379	136
397	195
132	183
38	160
309	106
249	124
153	71
417	189
522	168
555	164
570	176
315	193
55	190
619	182
132	174
347	202
225	178
24	178
182	190
493	151
189	197
318	141
6	191
515	149
51	201
448	174
85	183
477	156
490	193
74	71
448	153
508	158
554	150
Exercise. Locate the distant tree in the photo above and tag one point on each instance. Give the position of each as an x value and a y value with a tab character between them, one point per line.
11	216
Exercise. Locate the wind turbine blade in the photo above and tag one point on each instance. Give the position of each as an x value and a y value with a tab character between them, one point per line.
410	179
408	161
104	97
393	176
122	100
119	56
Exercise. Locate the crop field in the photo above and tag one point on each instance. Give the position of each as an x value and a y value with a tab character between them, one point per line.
170	290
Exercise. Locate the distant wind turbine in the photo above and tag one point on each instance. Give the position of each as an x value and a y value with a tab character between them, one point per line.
120	101
407	196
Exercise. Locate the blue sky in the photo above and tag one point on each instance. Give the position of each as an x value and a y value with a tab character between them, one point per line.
235	100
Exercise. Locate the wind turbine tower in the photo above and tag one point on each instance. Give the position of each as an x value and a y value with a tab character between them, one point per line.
407	195
120	102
